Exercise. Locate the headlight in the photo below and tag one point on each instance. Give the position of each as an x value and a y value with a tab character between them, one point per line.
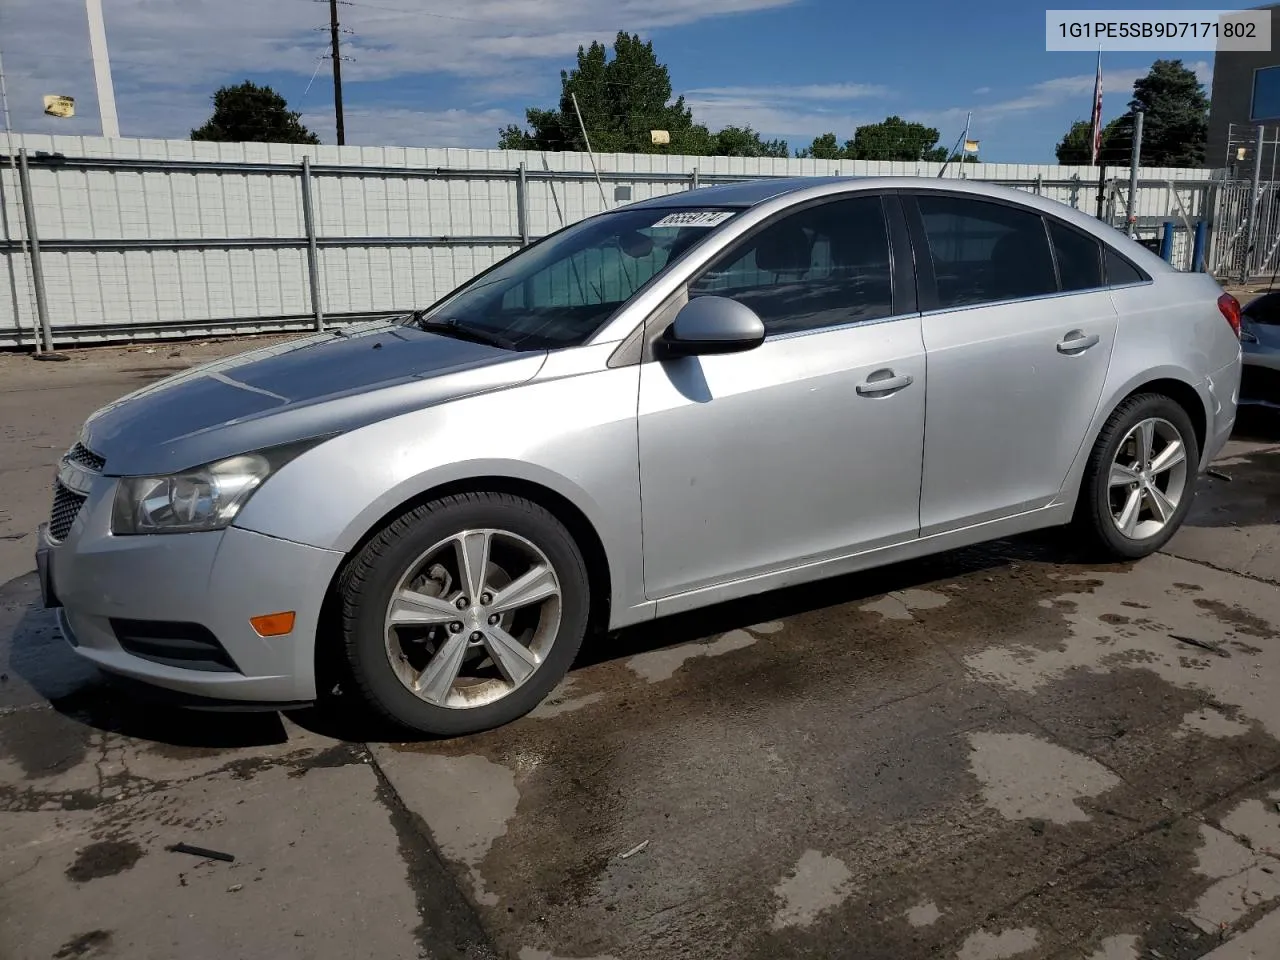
204	498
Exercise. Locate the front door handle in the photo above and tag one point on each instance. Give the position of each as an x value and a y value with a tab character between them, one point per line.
1077	342
882	383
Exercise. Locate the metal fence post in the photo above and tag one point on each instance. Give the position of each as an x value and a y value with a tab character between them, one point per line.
696	184
1255	195
1075	191
1166	242
522	204
33	237
313	265
1198	247
1135	157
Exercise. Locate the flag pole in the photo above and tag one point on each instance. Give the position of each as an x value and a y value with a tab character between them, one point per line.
1095	136
964	139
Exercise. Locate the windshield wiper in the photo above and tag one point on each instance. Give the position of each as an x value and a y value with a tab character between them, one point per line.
452	328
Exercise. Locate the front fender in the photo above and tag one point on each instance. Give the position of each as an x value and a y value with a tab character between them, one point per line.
575	436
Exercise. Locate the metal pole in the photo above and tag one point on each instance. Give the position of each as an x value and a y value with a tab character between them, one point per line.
22	234
1135	159
1166	242
1102	189
696	182
522	205
1256	196
102	69
313	265
337	70
37	268
1198	247
583	127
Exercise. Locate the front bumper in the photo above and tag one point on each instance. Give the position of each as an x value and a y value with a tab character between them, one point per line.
210	582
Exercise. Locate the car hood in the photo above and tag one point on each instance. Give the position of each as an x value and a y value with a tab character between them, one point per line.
317	386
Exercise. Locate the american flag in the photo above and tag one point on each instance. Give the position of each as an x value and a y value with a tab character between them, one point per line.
1096	140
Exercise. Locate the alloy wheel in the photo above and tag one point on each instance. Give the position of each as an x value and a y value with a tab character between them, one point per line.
473	618
1148	479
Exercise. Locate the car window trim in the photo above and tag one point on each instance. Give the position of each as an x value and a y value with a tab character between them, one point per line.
926	281
1144	278
794	209
1099	249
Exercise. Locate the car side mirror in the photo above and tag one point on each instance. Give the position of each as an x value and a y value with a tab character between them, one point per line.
708	325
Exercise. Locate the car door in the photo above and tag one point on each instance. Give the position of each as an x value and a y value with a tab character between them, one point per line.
1018	332
809	445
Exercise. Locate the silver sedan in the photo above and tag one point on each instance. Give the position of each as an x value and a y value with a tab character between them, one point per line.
672	404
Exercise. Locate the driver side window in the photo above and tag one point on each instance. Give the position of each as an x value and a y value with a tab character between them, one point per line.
823	266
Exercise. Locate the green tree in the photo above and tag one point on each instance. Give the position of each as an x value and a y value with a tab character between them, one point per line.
745	142
1175	122
248	113
895	139
1175	118
824	147
622	99
1075	148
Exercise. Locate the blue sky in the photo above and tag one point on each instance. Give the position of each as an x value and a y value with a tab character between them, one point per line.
451	72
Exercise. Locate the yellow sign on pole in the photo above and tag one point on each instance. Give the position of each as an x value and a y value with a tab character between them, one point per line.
56	105
971	146
660	137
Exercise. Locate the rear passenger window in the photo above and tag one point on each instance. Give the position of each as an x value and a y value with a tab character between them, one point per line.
984	252
821	267
1120	271
1079	257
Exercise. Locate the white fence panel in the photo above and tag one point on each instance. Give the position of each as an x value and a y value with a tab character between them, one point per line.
167	247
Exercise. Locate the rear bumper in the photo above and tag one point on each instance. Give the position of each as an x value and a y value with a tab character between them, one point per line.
1223	390
118	594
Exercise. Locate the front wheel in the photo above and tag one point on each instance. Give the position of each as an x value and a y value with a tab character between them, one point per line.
1140	479
464	613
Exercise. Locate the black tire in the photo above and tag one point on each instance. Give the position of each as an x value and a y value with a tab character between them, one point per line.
1093	518
371	575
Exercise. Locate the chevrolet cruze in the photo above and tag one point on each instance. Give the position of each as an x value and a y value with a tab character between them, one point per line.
671	404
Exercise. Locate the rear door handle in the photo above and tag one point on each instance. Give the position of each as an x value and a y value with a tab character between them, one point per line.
1077	342
882	383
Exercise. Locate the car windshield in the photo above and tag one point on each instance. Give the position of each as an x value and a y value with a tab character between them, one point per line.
559	291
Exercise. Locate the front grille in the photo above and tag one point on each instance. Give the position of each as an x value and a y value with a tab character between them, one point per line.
85	457
67	503
66	506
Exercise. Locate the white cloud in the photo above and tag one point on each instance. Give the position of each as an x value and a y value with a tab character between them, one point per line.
1117	89
167	57
796	112
982	90
813	91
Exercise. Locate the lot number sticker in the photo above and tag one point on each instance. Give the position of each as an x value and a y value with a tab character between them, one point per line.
695	218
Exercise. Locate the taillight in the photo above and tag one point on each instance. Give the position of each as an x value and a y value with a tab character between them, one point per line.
1230	308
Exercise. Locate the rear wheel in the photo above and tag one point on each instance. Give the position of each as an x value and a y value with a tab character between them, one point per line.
464	613
1140	480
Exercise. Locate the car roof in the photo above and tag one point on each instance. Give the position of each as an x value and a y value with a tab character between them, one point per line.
747	193
751	193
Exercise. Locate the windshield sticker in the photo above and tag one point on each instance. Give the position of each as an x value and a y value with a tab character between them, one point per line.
695	218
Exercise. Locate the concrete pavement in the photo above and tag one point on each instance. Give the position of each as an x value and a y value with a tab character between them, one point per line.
1002	752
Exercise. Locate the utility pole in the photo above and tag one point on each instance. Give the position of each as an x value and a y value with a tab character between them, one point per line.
337	70
102	69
